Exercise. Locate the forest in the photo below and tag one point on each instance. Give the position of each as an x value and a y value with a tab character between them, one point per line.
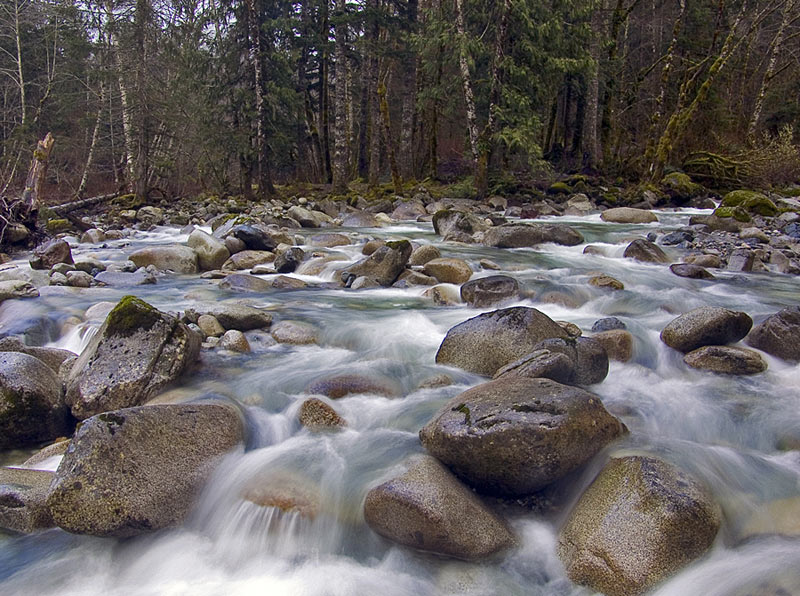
176	98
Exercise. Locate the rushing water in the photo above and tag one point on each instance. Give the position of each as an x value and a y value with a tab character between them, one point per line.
725	430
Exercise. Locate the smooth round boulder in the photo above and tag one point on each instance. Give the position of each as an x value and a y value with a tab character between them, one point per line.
247	259
691	271
429	509
606	281
52	357
778	335
31	407
234	341
136	470
361	219
486	343
541	364
244	282
384	265
211	252
288	260
51	253
23	500
587	354
17	288
513	436
254	237
338	386
295	332
316	415
607	324
453	224
706	326
517	235
726	360
423	254
628	215
177	258
618	344
448	270
490	291
640	521
646	252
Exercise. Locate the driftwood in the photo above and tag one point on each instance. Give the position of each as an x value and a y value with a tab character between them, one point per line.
70	206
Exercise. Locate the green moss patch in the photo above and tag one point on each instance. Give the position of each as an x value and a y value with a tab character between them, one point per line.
130	315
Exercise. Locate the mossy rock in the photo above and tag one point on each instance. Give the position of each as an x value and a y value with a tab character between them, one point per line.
559	188
751	202
681	186
131	314
55	226
736	213
128	201
610	198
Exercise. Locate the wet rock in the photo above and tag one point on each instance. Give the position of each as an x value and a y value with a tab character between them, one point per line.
23	500
316	415
247	259
571	328
58	279
288	260
254	237
442	295
726	360
295	332
645	251
384	265
628	215
124	279
410	278
151	216
31	406
309	218
448	270
436	381
17	288
639	522
244	282
235	341
408	210
690	271
704	260
361	219
587	354
284	282
234	244
136	352
458	225
339	386
531	234
52	357
79	279
489	291
210	326
492	340
211	252
429	509
607	324
50	253
677	237
329	240
778	335
606	281
489	264
513	436
177	258
236	316
136	470
705	326
423	254
618	344
541	364
741	259
93	236
371	246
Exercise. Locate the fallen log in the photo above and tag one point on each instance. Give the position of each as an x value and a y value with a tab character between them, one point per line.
70	206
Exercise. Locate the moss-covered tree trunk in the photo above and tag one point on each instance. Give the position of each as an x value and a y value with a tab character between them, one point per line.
397	180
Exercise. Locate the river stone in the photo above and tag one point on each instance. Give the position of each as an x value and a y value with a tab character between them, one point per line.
726	360
361	219
140	277
371	246
448	270
571	328
423	254
778	335
136	352
308	218
93	236
50	253
607	324
237	316
210	326
486	343
316	415
150	215
295	332
384	265
429	509
329	240
628	215
17	288
247	259
285	491
31	407
411	278
513	436
244	282
606	281
705	326
211	252
408	210
442	295
235	341
177	258
541	364
254	237
79	279
489	291
741	259
518	235
23	500
288	260
645	251
587	354
691	271
640	521
618	344
284	282
453	224
339	386
52	357
136	470
705	260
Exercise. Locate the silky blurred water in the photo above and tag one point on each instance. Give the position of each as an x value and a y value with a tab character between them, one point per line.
724	430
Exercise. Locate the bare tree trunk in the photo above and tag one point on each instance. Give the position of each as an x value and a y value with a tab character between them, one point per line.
373	108
324	94
144	118
340	101
20	77
127	116
592	154
466	81
408	122
36	175
93	144
265	186
397	181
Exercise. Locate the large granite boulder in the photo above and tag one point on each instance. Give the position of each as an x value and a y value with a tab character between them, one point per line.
588	356
486	343
177	258
726	360
309	218
316	415
136	352
646	252
778	335
519	235
628	215
211	252
514	435
137	470
457	225
640	521
23	500
383	266
247	259
489	291
541	364
429	509
448	270
233	316
51	253
706	326
32	409
255	237
288	260
52	357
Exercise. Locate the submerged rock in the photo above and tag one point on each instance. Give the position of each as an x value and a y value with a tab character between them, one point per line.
516	235
628	215
691	271
316	415
136	352
640	521
489	291
349	384
429	509
486	343
17	288
778	335
726	360
513	436
136	470
705	326
448	270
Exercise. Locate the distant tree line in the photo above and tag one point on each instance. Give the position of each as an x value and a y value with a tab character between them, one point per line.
227	96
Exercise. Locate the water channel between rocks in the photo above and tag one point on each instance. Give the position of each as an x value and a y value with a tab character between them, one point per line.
722	429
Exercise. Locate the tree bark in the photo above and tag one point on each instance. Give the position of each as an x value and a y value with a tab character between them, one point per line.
340	101
466	82
408	122
36	174
93	144
397	180
592	154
